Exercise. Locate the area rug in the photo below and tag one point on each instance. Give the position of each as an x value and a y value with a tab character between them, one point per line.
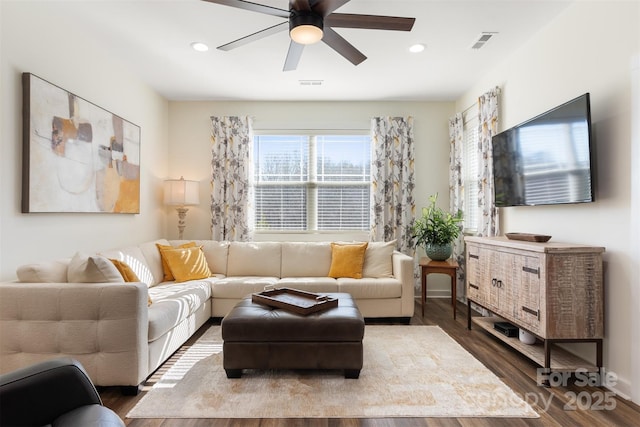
408	371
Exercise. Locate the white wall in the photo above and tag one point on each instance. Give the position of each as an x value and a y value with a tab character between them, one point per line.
37	39
190	130
634	236
587	49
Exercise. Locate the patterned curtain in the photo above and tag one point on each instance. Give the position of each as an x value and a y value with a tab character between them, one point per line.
488	224
393	180
456	190
230	178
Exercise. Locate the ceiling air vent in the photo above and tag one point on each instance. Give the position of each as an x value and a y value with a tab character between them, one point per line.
310	82
484	37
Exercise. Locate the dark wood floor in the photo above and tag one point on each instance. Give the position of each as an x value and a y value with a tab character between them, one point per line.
512	368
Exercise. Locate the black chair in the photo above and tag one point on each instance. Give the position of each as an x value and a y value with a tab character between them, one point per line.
56	392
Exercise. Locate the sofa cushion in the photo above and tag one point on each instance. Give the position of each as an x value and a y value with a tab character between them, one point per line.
43	272
306	259
172	303
377	259
347	260
186	263
370	288
216	254
153	260
254	259
240	287
92	269
134	258
309	284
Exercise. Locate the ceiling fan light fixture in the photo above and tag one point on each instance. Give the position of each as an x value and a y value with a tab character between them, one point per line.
305	27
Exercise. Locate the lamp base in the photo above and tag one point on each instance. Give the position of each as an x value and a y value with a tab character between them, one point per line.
182	216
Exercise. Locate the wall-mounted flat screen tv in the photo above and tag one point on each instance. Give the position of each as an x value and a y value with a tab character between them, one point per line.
546	160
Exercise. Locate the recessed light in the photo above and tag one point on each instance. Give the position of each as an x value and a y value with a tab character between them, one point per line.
199	46
416	48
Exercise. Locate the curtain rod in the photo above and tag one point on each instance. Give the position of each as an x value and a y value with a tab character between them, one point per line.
466	110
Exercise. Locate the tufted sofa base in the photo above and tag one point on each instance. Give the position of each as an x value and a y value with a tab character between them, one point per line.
260	337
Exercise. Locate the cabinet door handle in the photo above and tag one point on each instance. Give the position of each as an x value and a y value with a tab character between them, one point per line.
471	285
531	311
494	281
499	283
535	271
474	256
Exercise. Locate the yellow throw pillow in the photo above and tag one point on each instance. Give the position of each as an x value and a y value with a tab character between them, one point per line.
347	260
187	263
128	274
165	267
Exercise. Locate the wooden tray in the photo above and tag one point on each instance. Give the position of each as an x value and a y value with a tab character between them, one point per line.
295	301
529	237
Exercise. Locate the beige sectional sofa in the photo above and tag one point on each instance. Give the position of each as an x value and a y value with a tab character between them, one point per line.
120	339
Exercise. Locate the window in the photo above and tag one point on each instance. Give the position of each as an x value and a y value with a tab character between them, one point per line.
470	170
312	182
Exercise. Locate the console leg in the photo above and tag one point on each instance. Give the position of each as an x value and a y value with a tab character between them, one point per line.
547	363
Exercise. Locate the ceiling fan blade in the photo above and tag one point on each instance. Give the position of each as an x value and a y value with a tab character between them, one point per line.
255	36
293	56
326	7
299	5
254	7
343	47
373	22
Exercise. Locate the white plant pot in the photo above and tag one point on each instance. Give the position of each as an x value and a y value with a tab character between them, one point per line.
526	337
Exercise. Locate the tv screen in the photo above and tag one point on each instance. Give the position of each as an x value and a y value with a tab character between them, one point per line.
546	160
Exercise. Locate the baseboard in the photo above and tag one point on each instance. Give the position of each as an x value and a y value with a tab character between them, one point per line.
622	388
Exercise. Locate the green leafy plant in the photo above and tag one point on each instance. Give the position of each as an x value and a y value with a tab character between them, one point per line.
436	226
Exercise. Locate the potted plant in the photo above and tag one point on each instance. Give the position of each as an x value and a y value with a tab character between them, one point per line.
436	230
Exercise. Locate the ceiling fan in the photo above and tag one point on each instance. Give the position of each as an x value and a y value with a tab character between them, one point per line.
310	21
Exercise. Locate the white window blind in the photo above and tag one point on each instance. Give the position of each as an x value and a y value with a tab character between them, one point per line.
312	182
470	170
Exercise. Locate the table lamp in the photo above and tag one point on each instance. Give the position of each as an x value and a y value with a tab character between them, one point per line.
181	193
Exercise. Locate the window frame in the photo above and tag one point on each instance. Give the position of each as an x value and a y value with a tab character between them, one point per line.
312	184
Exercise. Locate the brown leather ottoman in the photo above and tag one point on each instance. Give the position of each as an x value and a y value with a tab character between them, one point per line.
260	337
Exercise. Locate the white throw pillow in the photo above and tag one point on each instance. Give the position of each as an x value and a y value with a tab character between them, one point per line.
92	269
44	272
377	259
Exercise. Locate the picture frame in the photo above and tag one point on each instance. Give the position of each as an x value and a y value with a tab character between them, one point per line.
77	156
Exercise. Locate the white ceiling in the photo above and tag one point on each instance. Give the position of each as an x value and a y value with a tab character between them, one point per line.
153	38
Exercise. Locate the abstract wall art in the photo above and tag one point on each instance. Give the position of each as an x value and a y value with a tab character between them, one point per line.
77	157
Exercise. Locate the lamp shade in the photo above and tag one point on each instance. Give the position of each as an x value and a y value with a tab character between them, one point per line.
181	192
